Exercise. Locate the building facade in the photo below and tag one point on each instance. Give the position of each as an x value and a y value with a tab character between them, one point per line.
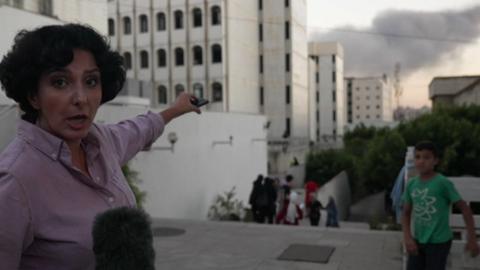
455	90
92	13
327	98
208	48
369	101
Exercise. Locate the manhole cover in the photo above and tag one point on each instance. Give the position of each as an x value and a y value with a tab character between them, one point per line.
166	232
307	253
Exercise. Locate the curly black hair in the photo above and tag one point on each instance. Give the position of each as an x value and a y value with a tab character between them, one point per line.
51	47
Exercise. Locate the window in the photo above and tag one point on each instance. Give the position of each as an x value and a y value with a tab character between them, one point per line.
260	63
143	23
317	115
260	32
217	92
333	59
368	97
45	7
143	59
178	19
378	106
162	94
179	89
197	17
261	96
287	62
368	116
216	53
216	15
198	90
378	116
287	30
287	3
287	94
334	115
367	88
111	27
368	107
317	77
317	96
161	58
334	96
18	4
287	128
179	61
127	60
197	55
260	4
334	76
161	22
127	26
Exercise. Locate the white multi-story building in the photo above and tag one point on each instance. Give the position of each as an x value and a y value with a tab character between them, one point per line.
326	98
92	13
208	48
284	67
247	56
369	101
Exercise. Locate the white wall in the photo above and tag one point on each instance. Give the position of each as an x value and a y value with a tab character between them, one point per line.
13	20
183	184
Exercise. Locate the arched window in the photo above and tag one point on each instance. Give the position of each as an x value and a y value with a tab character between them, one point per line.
127	25
161	22
162	94
179	59
216	15
197	17
143	23
216	53
111	27
198	90
197	55
127	60
178	19
161	58
143	59
217	92
179	89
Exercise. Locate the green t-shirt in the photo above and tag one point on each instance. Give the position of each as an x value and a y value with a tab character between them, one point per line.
431	200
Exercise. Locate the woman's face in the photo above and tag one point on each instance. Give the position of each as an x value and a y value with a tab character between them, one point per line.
68	98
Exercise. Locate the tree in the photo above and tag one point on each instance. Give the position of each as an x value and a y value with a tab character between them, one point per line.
132	179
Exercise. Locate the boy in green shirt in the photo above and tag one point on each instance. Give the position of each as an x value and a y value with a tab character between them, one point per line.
430	195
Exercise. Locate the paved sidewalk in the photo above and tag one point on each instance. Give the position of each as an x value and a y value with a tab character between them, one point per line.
230	245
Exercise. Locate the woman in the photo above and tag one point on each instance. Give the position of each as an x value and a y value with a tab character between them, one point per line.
62	169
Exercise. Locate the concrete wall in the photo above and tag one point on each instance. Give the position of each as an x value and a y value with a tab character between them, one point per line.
183	183
339	188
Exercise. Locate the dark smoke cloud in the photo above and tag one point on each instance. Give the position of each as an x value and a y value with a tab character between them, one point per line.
367	53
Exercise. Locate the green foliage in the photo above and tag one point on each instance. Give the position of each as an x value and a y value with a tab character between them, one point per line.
323	166
226	207
373	157
132	179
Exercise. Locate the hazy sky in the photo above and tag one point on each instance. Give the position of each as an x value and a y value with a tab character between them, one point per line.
428	38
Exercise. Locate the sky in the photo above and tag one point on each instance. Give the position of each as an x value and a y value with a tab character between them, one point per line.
427	38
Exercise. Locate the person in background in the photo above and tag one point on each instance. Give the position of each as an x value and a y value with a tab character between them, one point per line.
291	213
62	169
311	187
262	199
314	213
427	200
332	213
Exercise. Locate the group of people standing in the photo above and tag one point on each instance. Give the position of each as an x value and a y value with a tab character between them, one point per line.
275	202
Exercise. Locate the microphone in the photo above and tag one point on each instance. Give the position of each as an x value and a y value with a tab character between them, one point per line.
122	240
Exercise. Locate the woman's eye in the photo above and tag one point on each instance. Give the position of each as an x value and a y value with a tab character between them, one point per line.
92	82
59	82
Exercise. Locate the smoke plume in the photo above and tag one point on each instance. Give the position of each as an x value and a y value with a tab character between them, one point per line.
411	38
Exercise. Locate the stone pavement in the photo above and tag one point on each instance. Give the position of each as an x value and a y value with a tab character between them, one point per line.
231	245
